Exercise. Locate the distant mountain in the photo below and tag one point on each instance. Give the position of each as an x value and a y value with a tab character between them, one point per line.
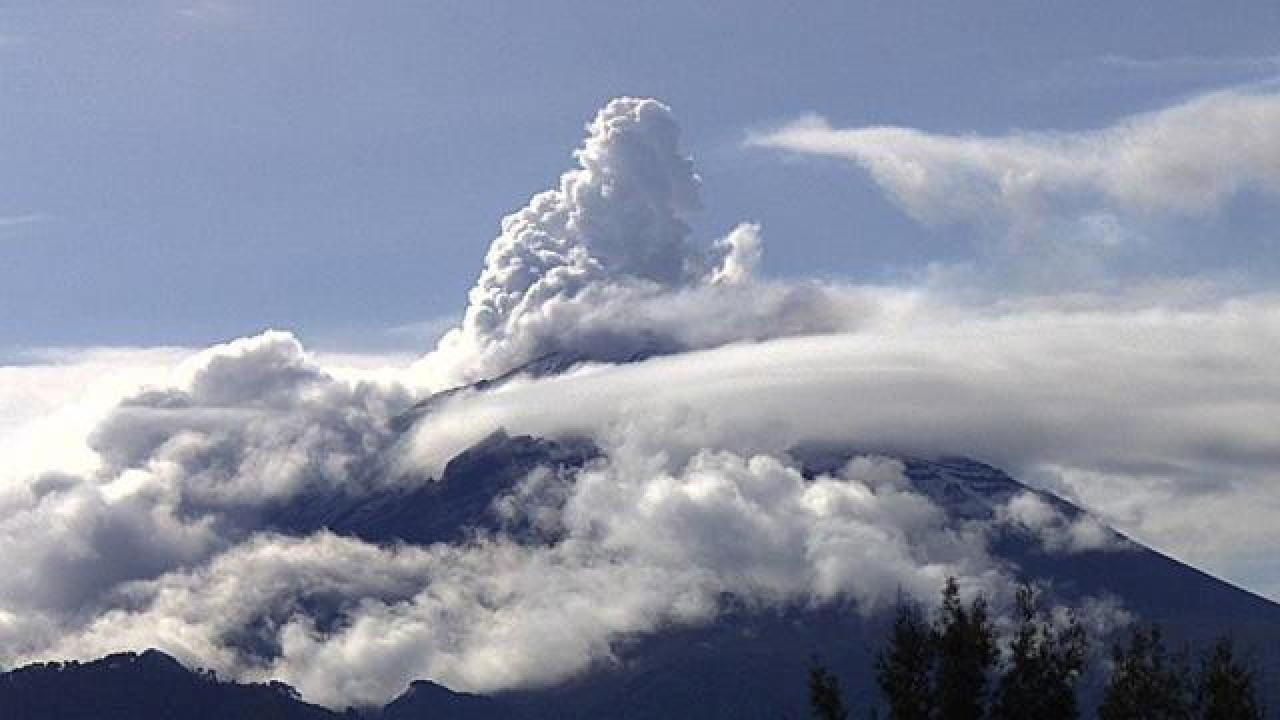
426	699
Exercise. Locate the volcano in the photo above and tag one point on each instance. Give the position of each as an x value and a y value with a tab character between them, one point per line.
748	662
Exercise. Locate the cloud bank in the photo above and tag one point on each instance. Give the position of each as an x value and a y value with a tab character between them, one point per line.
1181	395
147	521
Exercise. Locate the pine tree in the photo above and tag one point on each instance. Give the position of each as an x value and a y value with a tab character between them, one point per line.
1226	688
966	653
1043	666
1146	682
904	669
825	699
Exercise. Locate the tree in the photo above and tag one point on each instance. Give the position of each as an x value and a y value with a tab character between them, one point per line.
1045	661
1146	682
966	653
1226	688
825	699
904	669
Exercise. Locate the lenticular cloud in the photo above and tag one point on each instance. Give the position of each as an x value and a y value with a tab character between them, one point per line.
183	532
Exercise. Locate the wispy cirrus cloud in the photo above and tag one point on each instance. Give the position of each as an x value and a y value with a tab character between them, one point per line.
211	12
1184	160
14	222
1185	190
1191	67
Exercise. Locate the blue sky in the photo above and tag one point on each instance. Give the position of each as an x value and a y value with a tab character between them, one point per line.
181	173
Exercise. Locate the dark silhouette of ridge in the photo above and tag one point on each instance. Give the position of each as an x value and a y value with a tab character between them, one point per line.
146	686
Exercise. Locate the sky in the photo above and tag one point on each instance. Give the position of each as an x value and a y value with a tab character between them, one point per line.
184	173
238	239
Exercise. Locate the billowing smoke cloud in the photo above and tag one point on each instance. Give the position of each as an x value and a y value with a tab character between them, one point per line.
603	266
161	532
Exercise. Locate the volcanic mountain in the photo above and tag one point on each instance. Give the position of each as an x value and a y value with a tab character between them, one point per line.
749	662
660	483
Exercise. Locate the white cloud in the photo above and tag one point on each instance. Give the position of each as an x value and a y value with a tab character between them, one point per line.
742	250
250	421
1194	66
52	400
1056	531
1220	522
211	12
1185	160
1178	400
114	489
14	226
1011	387
8	221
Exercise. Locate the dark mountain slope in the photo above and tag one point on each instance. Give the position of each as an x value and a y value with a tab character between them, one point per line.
149	686
427	511
426	699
